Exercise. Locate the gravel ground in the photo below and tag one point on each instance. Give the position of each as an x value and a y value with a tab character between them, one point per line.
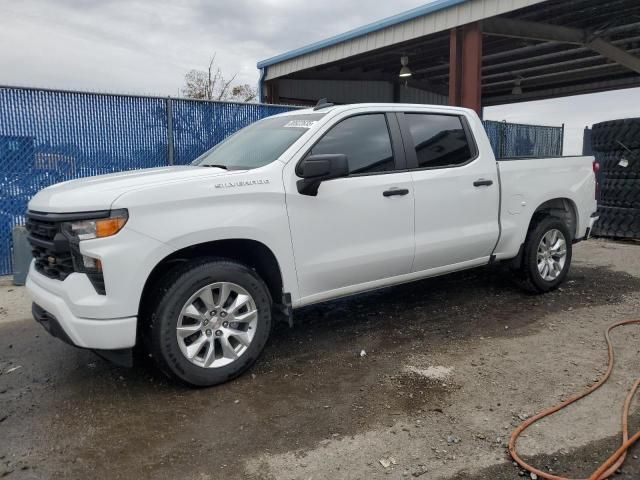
451	366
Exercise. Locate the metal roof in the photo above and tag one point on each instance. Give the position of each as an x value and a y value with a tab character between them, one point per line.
360	31
533	55
433	17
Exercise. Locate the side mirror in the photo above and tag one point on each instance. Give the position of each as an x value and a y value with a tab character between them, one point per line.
315	169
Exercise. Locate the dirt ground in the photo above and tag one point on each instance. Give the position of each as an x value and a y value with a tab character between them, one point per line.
428	379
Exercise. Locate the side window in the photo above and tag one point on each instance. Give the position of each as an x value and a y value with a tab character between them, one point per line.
440	140
364	139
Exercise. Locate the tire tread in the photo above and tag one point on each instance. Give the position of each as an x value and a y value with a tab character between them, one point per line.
526	273
164	290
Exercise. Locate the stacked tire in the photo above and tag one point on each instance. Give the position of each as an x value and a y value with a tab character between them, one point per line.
616	146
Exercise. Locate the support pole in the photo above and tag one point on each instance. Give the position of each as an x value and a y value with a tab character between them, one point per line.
396	91
472	67
169	111
465	67
455	67
273	92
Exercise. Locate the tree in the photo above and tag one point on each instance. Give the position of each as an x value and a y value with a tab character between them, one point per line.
212	85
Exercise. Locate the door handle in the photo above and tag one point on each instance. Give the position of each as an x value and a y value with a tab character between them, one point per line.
395	191
481	182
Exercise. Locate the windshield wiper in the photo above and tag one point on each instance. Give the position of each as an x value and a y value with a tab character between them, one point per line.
224	167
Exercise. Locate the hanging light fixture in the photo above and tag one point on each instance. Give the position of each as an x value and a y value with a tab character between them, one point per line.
405	71
517	89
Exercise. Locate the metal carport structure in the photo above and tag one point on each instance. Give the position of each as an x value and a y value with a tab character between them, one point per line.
472	53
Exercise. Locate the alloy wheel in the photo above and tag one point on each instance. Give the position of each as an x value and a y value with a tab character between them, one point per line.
216	325
552	255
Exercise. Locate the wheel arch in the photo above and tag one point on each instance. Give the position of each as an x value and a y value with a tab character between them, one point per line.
252	253
563	208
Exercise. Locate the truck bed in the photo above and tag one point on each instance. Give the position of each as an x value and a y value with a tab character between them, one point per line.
527	183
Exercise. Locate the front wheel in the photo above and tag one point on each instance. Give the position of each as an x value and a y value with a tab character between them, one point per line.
211	323
547	255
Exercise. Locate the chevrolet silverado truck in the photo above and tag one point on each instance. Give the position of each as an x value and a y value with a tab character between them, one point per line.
195	263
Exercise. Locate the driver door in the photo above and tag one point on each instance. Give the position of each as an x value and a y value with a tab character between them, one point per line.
357	233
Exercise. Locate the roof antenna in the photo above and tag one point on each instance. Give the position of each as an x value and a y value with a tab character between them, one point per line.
322	103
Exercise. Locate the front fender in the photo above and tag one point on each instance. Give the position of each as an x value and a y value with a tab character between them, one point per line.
182	216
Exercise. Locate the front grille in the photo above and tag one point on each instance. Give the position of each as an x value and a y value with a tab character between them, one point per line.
51	248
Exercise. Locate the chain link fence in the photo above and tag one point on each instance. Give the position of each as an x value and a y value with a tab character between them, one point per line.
49	136
518	140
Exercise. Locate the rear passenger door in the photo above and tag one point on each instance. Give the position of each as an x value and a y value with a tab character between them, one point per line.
456	192
357	232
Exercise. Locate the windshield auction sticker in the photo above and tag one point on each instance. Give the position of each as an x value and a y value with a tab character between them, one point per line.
300	124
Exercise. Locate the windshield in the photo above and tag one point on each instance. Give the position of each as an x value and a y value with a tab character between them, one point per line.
258	144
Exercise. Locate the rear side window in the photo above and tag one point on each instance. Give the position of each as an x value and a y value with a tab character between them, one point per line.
440	140
364	139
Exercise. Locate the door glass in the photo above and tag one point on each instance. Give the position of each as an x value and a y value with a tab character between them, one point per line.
440	140
364	139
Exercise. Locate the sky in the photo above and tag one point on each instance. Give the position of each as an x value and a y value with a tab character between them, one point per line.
146	47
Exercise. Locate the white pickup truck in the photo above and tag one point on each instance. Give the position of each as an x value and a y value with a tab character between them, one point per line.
195	262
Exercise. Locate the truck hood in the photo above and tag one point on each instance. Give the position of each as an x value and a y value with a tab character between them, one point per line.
98	193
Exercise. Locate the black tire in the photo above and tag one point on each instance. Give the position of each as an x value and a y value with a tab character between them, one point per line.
611	159
621	174
172	293
611	167
616	135
620	192
530	277
617	222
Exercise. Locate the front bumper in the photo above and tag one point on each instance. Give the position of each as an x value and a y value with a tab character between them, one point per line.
101	334
122	356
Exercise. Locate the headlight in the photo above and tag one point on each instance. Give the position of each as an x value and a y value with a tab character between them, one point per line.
96	228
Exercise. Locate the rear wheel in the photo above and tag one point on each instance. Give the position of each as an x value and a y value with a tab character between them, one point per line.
547	255
211	323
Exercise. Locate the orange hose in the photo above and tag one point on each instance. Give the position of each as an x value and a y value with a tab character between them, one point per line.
614	462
